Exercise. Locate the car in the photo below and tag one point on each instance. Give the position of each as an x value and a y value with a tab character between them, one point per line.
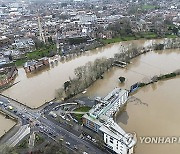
75	147
56	108
61	139
67	143
15	111
54	135
63	117
1	103
89	137
75	120
41	131
93	140
68	119
10	107
50	103
37	124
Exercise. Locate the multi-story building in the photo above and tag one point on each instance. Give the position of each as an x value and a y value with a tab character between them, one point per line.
100	120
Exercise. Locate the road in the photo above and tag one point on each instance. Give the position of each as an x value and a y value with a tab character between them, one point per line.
52	130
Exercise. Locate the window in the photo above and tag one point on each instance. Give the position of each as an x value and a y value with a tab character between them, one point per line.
106	139
111	140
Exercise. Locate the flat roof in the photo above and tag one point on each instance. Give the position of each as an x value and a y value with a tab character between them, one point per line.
114	130
106	103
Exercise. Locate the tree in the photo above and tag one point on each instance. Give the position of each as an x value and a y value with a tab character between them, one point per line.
159	47
50	39
63	4
104	7
8	150
66	85
10	57
122	79
38	43
175	30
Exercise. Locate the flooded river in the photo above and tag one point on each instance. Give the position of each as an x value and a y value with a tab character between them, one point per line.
152	111
36	89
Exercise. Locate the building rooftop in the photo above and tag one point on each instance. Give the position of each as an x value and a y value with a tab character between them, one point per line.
106	104
113	129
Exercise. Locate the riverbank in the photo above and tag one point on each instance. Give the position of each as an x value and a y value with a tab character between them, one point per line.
149	36
88	74
42	87
44	51
50	50
161	77
156	106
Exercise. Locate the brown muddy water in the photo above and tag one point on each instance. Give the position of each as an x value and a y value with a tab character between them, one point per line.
35	90
152	111
5	124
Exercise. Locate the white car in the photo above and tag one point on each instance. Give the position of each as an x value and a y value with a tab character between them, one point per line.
93	140
67	143
89	137
63	117
68	119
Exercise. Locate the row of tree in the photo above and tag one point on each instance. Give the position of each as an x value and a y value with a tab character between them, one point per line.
86	75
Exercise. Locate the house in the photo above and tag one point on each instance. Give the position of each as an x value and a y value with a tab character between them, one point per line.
33	65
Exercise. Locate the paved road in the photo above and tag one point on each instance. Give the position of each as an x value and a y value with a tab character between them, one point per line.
23	131
52	130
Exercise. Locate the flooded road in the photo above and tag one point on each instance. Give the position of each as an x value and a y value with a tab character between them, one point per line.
36	89
6	124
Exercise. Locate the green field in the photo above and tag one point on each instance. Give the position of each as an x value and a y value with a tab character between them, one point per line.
45	51
118	39
81	109
20	62
42	52
146	35
148	7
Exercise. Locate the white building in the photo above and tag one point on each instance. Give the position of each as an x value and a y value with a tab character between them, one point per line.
100	120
